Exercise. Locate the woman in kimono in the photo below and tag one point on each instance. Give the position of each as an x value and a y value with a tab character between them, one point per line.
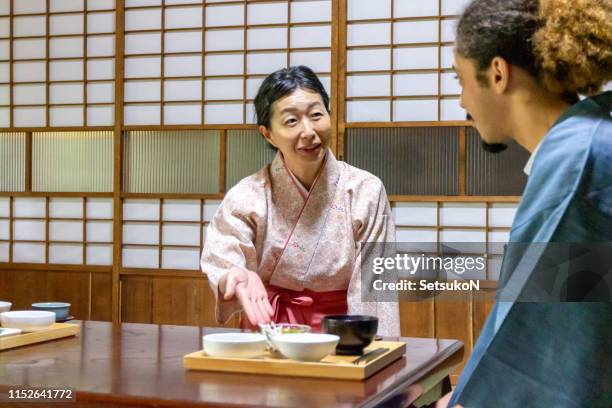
284	244
521	65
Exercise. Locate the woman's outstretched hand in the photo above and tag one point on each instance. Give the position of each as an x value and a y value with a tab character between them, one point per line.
251	292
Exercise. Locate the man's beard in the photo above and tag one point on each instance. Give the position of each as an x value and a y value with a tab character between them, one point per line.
494	147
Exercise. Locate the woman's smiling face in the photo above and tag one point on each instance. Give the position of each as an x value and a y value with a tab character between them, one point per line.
300	128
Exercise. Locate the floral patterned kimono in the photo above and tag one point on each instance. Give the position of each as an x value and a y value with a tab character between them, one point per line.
303	244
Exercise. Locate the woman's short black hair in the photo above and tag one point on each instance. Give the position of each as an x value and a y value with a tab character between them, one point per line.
284	82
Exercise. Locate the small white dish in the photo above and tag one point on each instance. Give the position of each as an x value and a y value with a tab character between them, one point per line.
9	332
237	345
5	306
306	346
27	320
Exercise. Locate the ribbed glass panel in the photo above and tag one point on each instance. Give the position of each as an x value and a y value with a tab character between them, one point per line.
181	161
12	161
494	174
247	152
72	161
409	161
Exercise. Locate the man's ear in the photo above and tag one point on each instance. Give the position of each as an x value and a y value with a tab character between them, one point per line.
500	74
266	134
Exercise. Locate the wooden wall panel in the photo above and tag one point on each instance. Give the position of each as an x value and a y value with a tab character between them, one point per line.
101	285
136	299
24	287
453	320
177	300
169	300
481	310
417	319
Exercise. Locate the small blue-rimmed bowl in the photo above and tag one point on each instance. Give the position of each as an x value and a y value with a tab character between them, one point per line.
61	309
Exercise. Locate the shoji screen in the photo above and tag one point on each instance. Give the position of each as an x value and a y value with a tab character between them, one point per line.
193	63
485	225
56	230
166	233
399	59
57	63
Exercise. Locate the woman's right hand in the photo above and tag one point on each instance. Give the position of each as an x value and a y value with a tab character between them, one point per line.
251	292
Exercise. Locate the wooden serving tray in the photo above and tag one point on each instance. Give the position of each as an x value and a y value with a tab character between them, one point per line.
332	366
56	331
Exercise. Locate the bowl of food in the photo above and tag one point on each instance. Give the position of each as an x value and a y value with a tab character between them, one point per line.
27	320
61	309
237	345
5	306
355	331
306	346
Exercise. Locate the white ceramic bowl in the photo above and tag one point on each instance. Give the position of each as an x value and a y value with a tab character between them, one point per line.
5	306
27	320
240	345
306	346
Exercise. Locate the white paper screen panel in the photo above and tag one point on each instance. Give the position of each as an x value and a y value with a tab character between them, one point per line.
65	207
209	210
65	254
368	85
181	210
29	72
29	207
99	254
408	32
57	6
450	109
177	66
415	110
4	206
415	214
4	230
267	38
267	13
29	94
318	61
100	208
311	11
463	214
368	9
66	70
184	17
181	258
29	26
368	111
454	7
141	233
4	251
66	24
181	234
99	231
224	88
29	230
66	231
28	49
145	19
28	252
140	257
265	63
225	15
141	210
369	34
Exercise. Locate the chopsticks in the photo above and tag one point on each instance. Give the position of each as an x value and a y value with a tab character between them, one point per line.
370	355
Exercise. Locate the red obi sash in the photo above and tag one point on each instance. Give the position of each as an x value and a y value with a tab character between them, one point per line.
304	307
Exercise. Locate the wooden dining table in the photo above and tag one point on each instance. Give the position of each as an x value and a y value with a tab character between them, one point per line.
132	364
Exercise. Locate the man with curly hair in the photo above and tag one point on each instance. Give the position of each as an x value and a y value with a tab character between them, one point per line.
522	65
